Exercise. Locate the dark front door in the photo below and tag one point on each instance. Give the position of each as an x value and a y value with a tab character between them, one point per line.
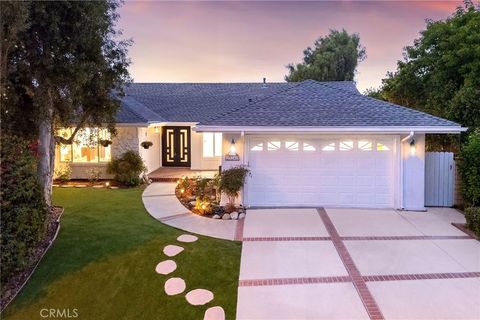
176	147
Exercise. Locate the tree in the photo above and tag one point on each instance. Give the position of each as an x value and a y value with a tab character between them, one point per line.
66	68
334	58
440	73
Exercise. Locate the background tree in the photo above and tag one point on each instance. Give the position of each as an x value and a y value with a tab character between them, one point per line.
440	73
63	67
334	58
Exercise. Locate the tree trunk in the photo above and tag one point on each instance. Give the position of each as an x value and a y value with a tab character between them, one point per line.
46	156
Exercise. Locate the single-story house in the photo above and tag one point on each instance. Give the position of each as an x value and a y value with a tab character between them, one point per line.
307	143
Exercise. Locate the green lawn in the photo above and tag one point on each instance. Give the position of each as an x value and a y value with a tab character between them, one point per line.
103	263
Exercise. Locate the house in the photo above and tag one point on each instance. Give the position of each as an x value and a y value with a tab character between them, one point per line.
307	144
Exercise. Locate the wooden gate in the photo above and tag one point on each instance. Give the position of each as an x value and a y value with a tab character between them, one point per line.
439	179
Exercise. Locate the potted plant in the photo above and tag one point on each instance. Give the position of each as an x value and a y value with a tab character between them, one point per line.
105	142
231	182
146	144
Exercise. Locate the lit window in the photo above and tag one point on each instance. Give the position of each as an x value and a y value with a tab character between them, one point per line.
273	145
382	147
308	147
346	145
365	145
257	147
329	147
212	144
85	147
291	145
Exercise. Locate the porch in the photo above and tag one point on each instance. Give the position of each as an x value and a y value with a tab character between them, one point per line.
173	174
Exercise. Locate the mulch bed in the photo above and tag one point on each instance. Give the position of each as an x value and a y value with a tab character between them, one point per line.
13	287
463	227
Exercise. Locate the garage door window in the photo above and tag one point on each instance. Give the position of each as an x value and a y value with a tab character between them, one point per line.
365	145
308	147
257	147
381	146
346	145
329	147
291	145
273	145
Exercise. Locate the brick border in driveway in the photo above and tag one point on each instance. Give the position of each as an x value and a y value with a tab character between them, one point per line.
359	283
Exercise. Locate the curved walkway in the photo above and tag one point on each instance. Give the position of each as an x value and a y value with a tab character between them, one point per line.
161	203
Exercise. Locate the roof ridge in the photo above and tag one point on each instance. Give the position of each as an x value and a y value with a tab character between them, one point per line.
254	102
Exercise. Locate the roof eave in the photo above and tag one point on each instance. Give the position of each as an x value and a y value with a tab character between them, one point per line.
298	129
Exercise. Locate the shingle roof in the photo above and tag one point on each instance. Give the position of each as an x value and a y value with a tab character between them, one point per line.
195	102
307	103
324	104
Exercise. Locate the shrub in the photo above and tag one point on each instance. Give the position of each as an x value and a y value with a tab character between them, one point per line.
201	187
470	169
94	175
127	168
23	209
63	172
472	215
232	181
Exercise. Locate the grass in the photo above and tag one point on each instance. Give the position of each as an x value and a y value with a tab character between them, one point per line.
103	263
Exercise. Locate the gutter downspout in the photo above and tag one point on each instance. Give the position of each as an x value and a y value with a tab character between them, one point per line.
410	136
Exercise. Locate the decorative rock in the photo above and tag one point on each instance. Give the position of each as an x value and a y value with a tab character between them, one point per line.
193	203
166	267
199	297
174	286
241	216
172	250
234	215
226	216
187	238
216	216
214	313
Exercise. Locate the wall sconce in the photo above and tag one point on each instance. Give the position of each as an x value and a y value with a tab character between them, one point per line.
412	147
233	149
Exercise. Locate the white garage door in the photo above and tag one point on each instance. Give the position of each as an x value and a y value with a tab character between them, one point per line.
321	171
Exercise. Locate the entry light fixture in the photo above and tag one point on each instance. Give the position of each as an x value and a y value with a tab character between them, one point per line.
412	147
233	148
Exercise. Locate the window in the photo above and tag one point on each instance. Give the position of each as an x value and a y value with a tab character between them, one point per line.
329	147
308	147
273	145
291	145
365	145
382	147
257	147
346	145
212	144
85	147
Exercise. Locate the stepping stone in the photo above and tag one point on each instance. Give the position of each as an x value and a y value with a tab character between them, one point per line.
114	188
199	297
174	286
172	250
98	186
214	313
187	238
166	267
80	186
67	186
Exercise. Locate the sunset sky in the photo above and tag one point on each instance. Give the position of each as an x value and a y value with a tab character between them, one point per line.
232	41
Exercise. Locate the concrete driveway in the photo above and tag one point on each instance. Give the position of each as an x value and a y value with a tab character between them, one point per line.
357	264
